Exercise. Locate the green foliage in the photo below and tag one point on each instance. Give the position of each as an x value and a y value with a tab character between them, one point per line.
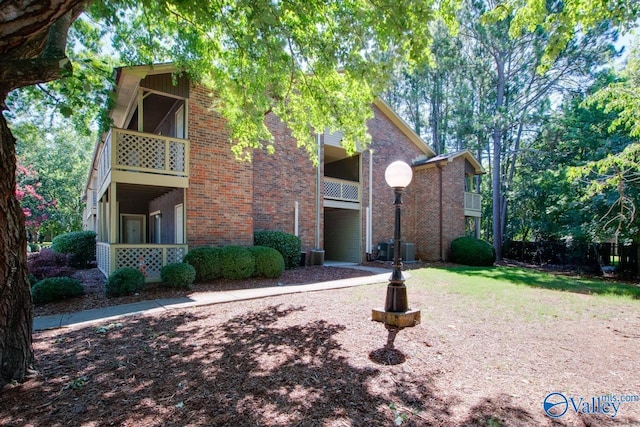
287	244
207	263
269	262
124	281
81	245
32	280
312	64
237	262
55	289
471	251
178	275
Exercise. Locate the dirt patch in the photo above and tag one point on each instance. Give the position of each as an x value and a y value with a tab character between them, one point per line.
316	359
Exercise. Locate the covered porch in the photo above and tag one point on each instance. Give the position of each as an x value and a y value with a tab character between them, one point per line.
142	227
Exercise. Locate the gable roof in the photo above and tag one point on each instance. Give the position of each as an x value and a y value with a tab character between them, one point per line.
450	157
404	127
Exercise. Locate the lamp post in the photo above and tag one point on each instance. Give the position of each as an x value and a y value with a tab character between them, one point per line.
396	312
398	176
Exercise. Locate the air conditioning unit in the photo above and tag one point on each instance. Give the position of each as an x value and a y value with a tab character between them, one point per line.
385	251
408	251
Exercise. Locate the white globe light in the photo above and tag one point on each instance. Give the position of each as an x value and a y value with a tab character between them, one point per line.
398	174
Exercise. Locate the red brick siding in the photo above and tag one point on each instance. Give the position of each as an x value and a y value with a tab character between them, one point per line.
280	180
453	203
428	244
227	200
426	205
388	144
220	193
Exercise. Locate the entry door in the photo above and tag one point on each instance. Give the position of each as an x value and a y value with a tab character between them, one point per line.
179	216
132	227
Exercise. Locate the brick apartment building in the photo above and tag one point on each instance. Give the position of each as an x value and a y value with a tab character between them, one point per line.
164	180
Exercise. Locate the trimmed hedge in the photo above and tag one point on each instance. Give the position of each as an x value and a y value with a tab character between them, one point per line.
269	262
81	245
468	250
124	281
206	261
237	262
178	275
56	289
287	244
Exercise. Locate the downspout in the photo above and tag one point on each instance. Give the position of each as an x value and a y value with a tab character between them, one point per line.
441	215
370	207
318	195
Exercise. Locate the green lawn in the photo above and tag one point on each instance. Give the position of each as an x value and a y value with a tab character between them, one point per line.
516	293
485	278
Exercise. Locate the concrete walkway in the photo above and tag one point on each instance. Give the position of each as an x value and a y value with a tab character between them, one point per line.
81	318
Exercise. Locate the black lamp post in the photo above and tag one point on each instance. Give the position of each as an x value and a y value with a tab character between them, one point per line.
398	176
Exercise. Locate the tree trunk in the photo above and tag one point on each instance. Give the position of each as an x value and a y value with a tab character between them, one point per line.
33	39
16	312
497	134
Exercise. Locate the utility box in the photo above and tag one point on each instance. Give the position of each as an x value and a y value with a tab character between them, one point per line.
385	251
317	257
408	251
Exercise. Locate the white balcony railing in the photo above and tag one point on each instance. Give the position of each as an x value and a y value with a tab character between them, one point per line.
472	204
148	258
342	190
130	151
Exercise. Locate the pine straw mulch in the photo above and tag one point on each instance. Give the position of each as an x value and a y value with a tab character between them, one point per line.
316	359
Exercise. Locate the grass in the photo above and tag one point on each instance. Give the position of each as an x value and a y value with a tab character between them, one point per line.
483	277
508	292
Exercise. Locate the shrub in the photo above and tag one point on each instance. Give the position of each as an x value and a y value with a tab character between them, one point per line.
33	247
47	263
56	289
81	245
287	244
124	281
269	262
237	262
32	280
471	251
178	275
206	261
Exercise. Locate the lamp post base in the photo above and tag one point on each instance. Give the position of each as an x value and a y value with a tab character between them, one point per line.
398	320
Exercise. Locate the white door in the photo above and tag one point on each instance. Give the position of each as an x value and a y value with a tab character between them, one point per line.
179	222
133	229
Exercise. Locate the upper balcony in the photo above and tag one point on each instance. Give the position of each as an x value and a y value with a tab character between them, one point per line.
340	193
142	158
472	204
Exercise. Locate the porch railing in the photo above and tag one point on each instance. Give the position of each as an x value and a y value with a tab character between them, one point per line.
132	151
340	189
472	204
149	258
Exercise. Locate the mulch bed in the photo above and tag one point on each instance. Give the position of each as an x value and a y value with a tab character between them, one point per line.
316	359
93	281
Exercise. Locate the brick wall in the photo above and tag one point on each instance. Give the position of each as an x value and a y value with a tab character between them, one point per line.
453	222
280	180
220	193
388	144
227	200
432	242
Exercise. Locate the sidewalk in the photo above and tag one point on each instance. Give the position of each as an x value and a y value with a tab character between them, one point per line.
379	275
